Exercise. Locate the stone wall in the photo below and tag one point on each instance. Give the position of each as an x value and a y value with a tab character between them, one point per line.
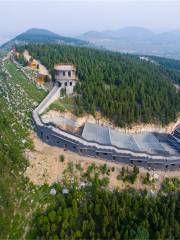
51	97
69	141
52	138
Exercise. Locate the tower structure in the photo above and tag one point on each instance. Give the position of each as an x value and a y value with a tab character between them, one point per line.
65	76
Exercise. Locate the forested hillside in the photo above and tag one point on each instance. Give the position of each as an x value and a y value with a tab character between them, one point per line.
96	213
171	67
35	35
167	62
29	211
122	87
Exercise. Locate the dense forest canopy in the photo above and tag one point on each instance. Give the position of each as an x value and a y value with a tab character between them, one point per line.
96	213
123	87
170	67
167	62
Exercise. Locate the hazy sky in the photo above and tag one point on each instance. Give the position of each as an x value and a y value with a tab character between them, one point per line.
74	17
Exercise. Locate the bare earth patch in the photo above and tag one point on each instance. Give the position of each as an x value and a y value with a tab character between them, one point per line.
53	115
42	69
45	167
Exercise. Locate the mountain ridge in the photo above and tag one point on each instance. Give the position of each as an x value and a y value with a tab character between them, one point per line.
38	35
137	40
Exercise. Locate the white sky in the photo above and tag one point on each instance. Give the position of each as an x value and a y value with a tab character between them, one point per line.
75	17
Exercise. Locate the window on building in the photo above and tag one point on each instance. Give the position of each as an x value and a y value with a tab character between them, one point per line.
70	83
66	84
64	73
69	73
114	158
47	137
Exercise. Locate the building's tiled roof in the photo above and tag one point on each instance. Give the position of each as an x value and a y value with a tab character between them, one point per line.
122	140
94	132
145	142
65	67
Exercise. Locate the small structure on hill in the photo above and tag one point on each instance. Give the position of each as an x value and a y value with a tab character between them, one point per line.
65	76
42	78
33	64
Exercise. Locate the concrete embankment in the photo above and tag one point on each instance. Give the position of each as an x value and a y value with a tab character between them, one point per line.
57	137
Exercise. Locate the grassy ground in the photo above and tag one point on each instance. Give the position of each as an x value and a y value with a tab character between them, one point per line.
19	78
63	104
57	105
20	95
18	198
67	104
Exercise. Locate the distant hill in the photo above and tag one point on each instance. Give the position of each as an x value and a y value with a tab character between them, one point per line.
3	40
42	36
137	40
128	32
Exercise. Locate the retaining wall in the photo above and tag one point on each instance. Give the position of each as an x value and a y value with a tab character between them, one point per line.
69	141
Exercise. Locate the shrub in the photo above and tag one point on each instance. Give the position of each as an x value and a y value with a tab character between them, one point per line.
128	176
105	181
146	180
104	169
56	105
79	167
170	184
119	177
61	158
